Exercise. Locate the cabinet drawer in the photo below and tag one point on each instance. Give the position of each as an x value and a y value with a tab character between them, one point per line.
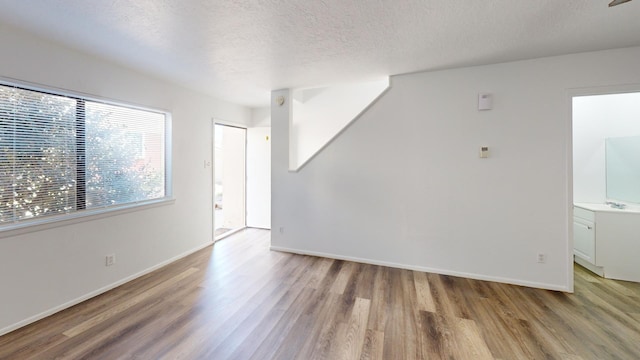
584	239
584	214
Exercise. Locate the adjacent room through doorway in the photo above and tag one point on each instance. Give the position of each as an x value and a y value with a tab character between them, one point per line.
230	179
606	183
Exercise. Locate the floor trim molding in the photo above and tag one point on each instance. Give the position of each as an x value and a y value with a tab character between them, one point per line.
97	292
531	284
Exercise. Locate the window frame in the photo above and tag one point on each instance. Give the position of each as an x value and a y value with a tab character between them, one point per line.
81	214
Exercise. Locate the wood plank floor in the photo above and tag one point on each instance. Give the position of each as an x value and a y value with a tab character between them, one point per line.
238	300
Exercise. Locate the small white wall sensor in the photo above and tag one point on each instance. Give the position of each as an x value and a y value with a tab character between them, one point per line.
484	152
485	101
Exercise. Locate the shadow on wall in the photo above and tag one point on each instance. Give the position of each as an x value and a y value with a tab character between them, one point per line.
321	114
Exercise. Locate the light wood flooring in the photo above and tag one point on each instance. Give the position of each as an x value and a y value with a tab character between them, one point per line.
238	300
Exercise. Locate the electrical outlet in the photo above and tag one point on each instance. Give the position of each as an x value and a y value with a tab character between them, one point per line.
542	258
110	260
281	229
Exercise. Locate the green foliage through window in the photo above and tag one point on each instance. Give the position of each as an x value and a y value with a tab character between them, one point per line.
60	154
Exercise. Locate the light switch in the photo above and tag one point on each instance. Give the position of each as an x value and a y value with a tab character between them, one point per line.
484	152
485	101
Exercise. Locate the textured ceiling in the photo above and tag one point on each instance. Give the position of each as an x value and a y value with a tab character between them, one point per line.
239	50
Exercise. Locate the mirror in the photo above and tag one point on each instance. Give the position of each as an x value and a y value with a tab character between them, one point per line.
623	168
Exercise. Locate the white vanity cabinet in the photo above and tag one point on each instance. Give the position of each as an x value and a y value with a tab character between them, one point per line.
584	235
607	241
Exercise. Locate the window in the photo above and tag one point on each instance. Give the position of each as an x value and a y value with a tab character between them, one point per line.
61	154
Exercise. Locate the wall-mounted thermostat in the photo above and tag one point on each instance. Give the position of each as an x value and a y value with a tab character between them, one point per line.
484	152
485	101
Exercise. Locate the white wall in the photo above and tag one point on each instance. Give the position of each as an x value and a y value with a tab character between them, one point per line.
259	169
259	177
261	117
403	185
41	271
320	114
596	118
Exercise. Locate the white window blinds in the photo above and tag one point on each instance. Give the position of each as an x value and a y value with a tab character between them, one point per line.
124	155
60	154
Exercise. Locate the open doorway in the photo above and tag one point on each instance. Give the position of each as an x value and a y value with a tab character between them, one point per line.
229	203
606	182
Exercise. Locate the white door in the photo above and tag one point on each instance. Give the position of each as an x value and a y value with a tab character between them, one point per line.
230	175
259	177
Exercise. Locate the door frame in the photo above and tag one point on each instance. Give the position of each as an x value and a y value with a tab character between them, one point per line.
571	93
214	122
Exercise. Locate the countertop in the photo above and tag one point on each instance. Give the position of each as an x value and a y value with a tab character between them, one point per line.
608	208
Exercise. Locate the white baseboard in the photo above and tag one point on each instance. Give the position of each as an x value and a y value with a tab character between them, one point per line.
97	292
426	269
598	270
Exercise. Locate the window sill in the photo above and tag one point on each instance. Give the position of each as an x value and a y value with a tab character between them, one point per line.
23	227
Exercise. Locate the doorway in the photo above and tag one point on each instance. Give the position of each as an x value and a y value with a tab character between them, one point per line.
606	182
229	202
